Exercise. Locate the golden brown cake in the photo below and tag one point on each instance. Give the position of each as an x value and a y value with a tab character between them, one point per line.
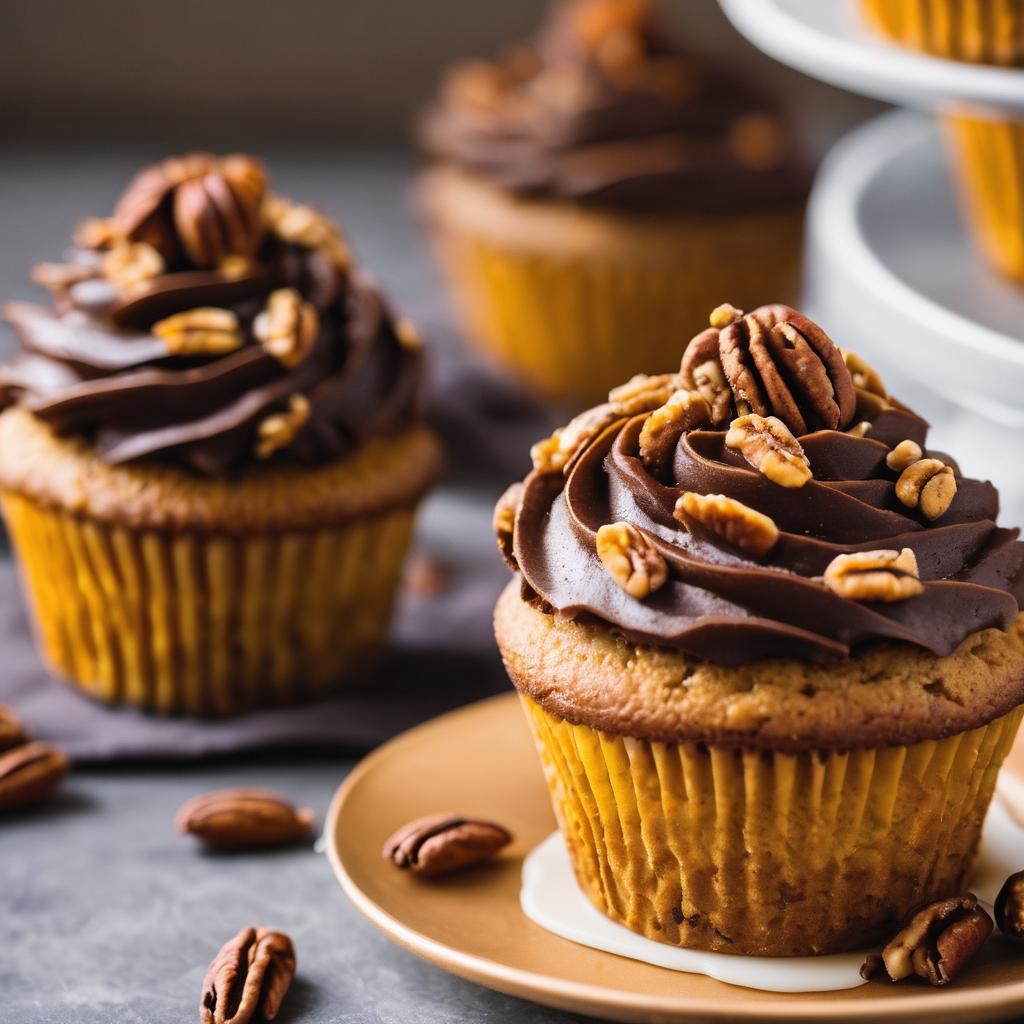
588	188
770	645
210	455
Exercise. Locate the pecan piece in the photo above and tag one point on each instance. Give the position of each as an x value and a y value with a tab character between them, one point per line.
1009	907
884	575
905	454
303	226
928	485
559	452
440	844
12	734
59	277
936	942
243	818
504	521
204	331
864	376
248	978
769	446
287	327
701	371
734	522
683	412
643	393
278	430
132	265
30	772
97	233
631	559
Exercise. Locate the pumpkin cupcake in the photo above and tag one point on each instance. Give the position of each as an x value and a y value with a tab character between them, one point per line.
210	455
588	188
770	646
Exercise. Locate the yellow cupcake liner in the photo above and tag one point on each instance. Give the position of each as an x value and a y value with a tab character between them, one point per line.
201	623
977	31
575	325
755	852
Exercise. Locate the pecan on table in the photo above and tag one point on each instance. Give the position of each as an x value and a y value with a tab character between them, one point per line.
248	978
243	818
30	772
1009	907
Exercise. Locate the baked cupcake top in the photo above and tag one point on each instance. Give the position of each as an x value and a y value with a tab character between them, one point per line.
212	325
602	107
770	499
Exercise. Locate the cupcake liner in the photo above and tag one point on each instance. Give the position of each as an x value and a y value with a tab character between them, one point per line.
765	853
180	621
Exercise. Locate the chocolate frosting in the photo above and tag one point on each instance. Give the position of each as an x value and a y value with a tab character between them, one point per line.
602	107
200	233
727	606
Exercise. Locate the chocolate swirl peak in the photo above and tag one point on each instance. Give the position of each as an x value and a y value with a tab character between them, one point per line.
206	316
602	107
874	539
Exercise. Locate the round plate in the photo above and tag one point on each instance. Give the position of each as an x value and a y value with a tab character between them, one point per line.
480	760
828	40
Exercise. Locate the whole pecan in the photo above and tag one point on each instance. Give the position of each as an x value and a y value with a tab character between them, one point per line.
30	772
936	942
928	485
249	978
12	734
440	844
243	817
1009	907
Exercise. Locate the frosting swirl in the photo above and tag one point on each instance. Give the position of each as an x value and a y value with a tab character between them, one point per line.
731	602
212	325
603	108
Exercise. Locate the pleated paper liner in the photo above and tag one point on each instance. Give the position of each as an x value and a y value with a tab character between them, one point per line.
755	852
205	623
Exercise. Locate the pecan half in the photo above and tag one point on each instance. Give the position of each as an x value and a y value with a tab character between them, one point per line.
132	265
1009	907
249	978
12	733
303	226
928	485
287	327
864	376
769	446
936	942
701	371
243	817
683	412
29	773
734	522
504	521
278	430
440	844
204	331
884	575
631	559
643	393
905	454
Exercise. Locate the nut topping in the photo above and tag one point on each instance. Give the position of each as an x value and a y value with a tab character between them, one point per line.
905	454
631	559
701	371
287	327
864	376
505	519
408	334
683	412
929	485
734	522
440	844
643	393
769	446
278	430
301	225
723	315
30	772
1009	907
97	233
885	576
248	978
243	818
12	734
58	277
935	943
131	265
559	452
205	331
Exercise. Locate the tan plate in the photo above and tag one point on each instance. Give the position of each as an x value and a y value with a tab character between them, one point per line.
480	760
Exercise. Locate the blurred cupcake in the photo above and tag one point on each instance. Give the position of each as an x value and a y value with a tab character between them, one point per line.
988	151
210	457
587	189
769	645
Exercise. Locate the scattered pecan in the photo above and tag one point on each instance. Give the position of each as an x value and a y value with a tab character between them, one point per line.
631	559
734	522
905	454
12	734
204	331
30	772
303	226
440	844
935	943
643	393
884	575
1009	907
131	265
864	376
504	521
769	446
243	817
928	485
249	978
683	412
559	452
287	327
278	430
701	371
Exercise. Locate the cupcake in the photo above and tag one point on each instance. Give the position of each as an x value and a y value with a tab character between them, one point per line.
588	188
210	453
987	149
769	645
